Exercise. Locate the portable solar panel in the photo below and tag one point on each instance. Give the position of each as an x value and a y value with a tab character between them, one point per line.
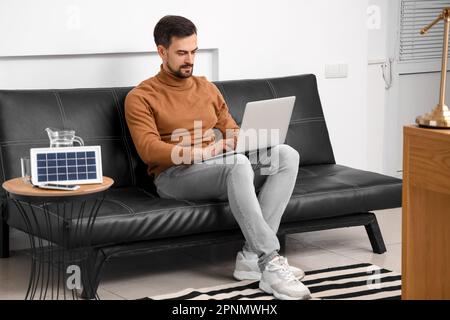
68	165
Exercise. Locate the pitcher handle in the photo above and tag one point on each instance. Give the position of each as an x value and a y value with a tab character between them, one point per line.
79	140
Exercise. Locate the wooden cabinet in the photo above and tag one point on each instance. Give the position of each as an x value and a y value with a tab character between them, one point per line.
426	214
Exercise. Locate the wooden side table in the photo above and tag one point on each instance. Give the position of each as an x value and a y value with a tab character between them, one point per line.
59	226
426	214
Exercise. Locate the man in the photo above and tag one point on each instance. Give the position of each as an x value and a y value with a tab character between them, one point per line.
174	105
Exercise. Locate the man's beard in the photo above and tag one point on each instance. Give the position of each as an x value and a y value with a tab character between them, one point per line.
180	74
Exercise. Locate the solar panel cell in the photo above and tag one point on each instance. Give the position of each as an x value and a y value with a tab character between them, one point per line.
51	170
71	169
62	170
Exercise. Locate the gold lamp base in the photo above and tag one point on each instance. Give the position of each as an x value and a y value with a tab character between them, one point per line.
438	118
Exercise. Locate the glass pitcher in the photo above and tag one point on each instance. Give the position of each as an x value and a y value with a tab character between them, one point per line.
63	138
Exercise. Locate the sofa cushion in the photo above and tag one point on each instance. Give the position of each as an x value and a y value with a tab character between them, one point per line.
144	217
325	191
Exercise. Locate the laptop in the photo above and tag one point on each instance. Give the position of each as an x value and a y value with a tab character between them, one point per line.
265	124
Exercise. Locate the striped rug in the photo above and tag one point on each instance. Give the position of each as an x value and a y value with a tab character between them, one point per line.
354	282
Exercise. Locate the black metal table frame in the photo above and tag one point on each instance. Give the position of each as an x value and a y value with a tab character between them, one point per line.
50	252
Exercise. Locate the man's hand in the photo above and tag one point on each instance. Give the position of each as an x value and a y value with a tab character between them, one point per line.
213	149
229	144
198	154
221	146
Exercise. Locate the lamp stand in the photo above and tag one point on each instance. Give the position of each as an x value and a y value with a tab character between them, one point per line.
440	116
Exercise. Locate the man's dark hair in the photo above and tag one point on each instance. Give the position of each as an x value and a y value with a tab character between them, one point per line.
172	26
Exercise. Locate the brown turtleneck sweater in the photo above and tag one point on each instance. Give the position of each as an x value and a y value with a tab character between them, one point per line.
164	103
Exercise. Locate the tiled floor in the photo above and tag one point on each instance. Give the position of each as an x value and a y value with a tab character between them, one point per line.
141	276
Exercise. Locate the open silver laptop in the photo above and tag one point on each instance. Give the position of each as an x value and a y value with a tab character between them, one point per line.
265	124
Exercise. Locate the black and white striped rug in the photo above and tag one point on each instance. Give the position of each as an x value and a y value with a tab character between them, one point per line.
354	282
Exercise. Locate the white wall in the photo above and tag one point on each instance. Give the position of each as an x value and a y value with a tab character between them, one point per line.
90	70
375	118
378	28
376	92
254	39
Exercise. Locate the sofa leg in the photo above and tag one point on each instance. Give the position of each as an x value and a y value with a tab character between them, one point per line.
375	236
91	274
4	239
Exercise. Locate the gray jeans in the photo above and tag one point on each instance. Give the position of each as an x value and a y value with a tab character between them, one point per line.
258	189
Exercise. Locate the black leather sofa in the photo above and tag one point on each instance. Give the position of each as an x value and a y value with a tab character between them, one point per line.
134	220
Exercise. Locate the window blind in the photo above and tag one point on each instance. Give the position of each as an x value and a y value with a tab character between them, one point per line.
415	15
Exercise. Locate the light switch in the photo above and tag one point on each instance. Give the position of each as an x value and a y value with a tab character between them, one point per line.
334	71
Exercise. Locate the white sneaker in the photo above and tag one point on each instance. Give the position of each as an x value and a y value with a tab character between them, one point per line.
247	267
277	279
